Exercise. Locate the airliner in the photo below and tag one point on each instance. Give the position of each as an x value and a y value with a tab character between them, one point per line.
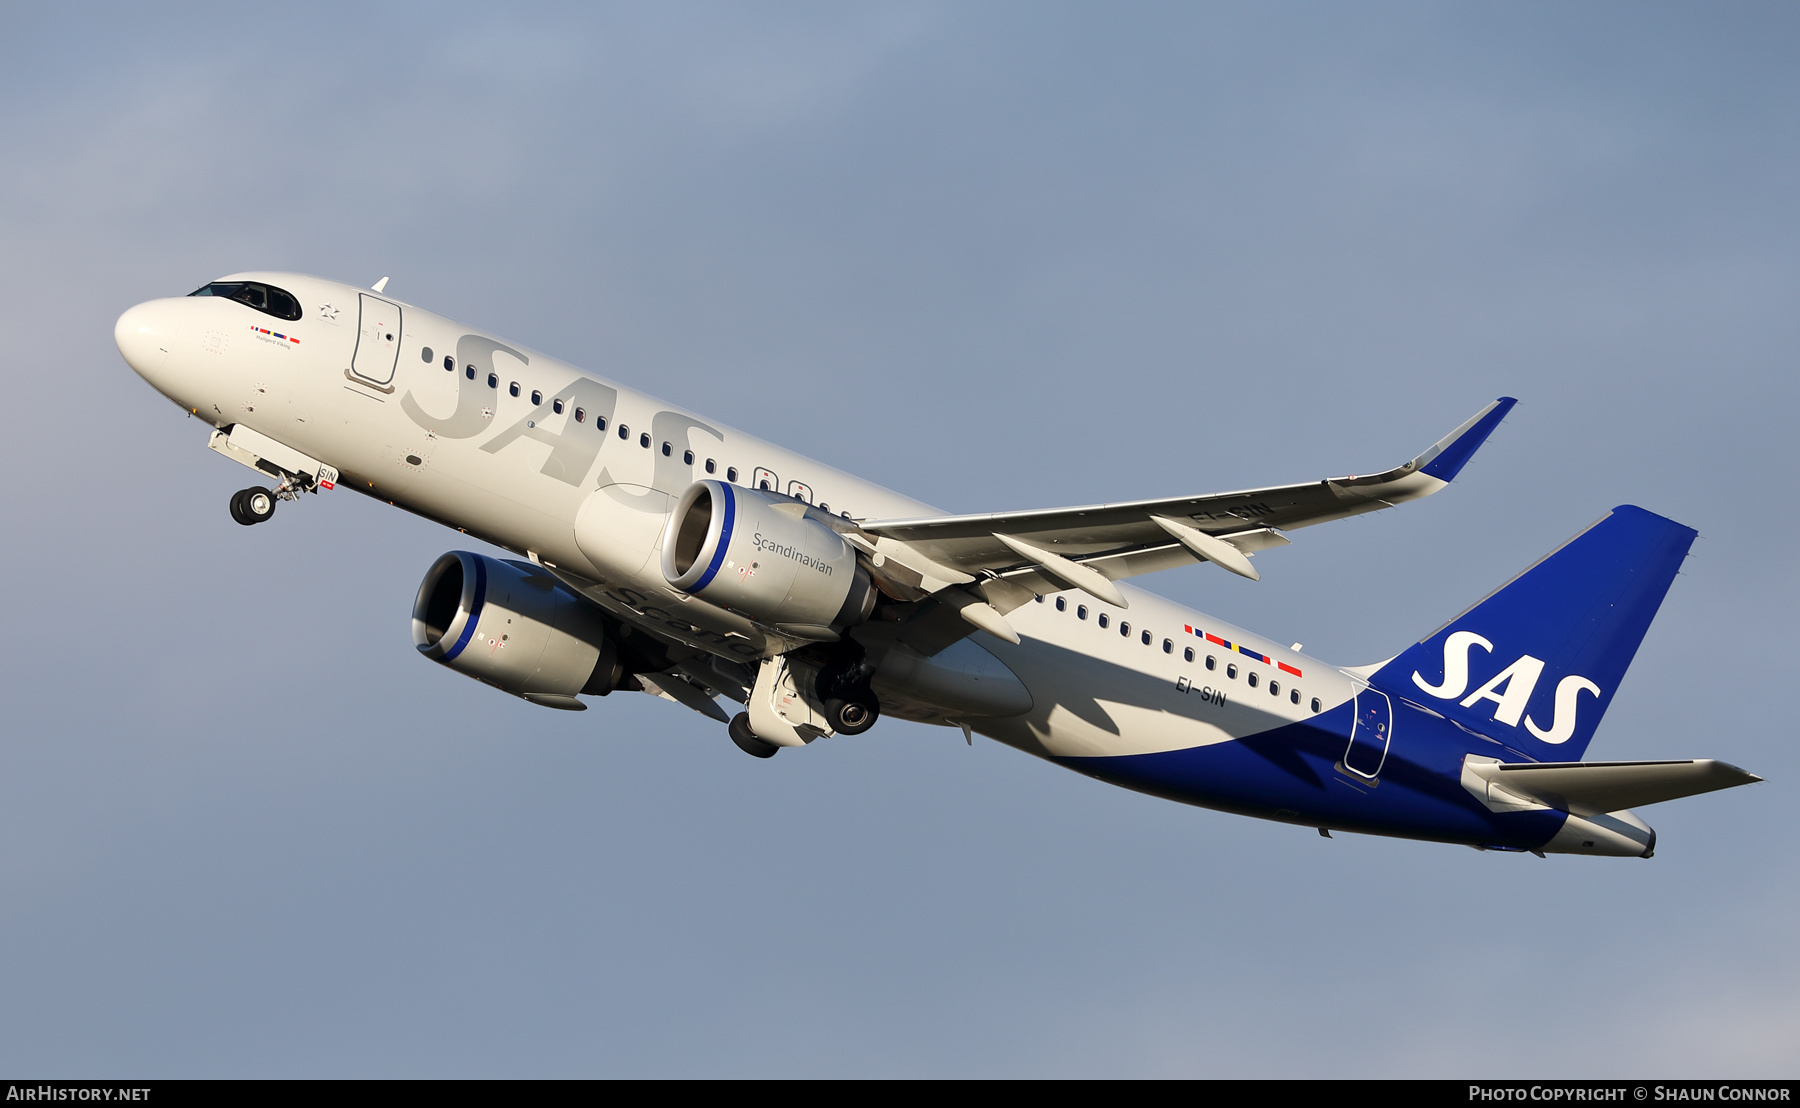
661	551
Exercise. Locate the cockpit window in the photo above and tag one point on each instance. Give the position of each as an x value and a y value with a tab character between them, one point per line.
264	298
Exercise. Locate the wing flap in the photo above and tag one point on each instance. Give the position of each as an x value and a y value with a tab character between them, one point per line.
676	688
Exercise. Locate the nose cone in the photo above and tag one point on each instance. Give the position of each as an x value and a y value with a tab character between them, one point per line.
143	337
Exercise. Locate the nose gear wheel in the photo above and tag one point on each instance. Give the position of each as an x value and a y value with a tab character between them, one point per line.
252	505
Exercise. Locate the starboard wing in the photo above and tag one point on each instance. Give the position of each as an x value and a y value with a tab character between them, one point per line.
1087	547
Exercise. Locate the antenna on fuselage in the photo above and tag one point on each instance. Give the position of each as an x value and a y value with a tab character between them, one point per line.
379	285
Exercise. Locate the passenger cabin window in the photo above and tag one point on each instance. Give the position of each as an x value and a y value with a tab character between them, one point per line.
624	431
1187	654
1168	647
557	406
711	466
449	363
668	450
1274	688
1315	704
1293	696
580	415
538	398
493	380
687	457
1251	677
470	372
513	389
264	298
425	355
1062	605
1231	671
731	475
1211	662
644	440
1125	629
1081	612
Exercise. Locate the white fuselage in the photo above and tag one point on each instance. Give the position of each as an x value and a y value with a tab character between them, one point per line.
510	463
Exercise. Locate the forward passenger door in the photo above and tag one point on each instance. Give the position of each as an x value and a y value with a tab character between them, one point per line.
377	341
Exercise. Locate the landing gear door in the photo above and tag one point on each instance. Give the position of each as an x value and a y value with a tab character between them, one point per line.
377	341
1370	734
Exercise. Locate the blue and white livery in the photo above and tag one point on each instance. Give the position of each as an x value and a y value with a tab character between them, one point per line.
664	552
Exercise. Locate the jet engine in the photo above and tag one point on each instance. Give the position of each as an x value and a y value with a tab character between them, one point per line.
765	556
513	626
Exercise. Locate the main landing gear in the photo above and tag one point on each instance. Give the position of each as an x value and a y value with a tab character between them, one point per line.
746	739
850	708
854	712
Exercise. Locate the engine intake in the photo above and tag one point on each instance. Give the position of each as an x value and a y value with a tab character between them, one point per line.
764	556
513	626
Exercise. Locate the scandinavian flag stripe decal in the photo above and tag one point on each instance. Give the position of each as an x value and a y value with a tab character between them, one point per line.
1241	649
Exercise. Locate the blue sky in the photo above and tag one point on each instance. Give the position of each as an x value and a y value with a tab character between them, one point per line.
995	256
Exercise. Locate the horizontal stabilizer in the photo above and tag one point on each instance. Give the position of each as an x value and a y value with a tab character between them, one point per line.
1595	788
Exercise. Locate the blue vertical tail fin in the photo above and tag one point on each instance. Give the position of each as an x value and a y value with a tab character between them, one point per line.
1535	664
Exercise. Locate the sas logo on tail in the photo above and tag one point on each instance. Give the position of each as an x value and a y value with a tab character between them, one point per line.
1510	689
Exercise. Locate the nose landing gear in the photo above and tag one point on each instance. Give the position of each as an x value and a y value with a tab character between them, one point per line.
256	504
252	505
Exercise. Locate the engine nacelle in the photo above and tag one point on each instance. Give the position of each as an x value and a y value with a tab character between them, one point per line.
760	554
515	627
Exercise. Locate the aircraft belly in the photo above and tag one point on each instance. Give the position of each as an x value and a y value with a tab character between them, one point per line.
1294	773
1127	729
619	528
1096	705
508	521
961	681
